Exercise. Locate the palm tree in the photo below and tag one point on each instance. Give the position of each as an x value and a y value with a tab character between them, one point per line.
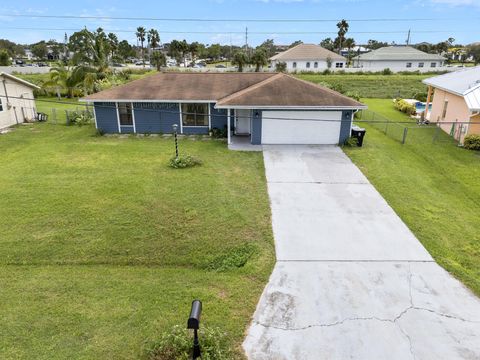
63	79
153	39
342	31
259	59
349	44
141	32
113	44
240	59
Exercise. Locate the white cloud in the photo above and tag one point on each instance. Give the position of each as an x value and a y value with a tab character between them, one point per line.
457	2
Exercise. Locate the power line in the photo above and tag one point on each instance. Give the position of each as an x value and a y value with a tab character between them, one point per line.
98	17
249	32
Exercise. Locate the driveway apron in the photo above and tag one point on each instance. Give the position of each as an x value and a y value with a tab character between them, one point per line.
351	280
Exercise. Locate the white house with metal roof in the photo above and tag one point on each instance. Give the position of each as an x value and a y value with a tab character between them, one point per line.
309	57
17	103
456	102
398	58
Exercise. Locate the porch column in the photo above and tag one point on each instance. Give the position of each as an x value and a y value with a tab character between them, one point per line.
229	140
429	95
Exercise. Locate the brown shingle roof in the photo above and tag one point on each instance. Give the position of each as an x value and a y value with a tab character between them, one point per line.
181	86
307	52
287	91
228	90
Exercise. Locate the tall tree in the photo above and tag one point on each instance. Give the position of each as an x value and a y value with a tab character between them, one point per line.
194	48
259	59
40	50
374	44
158	59
153	39
125	50
112	44
240	59
342	31
349	44
295	43
269	47
140	34
327	44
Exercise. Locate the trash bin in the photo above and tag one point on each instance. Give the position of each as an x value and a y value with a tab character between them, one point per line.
359	134
42	116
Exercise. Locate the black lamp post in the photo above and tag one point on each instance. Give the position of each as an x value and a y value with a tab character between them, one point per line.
175	127
194	323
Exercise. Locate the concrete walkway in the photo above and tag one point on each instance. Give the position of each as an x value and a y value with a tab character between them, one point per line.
351	280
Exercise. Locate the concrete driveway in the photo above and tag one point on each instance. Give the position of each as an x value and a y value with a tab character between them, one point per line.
351	280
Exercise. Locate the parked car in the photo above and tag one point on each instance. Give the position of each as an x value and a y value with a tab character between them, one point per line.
41	64
118	65
220	66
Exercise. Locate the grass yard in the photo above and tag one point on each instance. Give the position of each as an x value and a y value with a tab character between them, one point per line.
373	86
434	188
104	247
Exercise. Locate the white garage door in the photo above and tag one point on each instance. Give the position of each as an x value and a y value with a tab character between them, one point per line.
287	127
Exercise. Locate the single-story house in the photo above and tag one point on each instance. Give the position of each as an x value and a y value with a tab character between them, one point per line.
17	103
265	108
309	57
456	102
398	58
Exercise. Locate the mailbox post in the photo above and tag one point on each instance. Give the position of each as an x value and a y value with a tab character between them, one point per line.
194	324
175	127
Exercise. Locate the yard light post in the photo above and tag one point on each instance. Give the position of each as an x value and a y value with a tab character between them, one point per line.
175	127
194	324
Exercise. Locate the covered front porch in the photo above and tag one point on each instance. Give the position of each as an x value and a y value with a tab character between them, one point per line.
242	143
240	127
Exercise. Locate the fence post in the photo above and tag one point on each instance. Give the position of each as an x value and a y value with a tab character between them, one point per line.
435	134
405	131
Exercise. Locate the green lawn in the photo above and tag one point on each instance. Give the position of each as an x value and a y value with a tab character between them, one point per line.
103	246
373	86
433	187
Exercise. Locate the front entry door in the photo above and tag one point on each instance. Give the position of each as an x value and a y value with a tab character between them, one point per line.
243	118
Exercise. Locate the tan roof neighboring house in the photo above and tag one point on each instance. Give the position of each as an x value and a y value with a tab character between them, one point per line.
229	90
307	52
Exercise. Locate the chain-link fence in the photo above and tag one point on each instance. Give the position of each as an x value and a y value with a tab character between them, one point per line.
411	133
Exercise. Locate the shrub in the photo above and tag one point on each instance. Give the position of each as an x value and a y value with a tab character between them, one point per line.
353	95
405	107
420	96
219	133
79	118
351	142
472	142
281	67
387	71
176	344
183	162
326	72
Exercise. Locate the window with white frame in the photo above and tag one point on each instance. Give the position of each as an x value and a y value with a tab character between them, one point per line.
409	65
294	65
420	65
434	64
308	65
339	65
125	114
1	105
315	64
195	114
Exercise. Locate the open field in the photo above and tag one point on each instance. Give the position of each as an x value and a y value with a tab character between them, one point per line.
433	187
373	86
103	246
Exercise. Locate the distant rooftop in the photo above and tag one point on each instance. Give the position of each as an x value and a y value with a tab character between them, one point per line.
307	52
399	53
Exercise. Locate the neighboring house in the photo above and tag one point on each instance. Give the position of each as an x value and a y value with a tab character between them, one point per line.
456	102
17	103
309	57
266	108
398	58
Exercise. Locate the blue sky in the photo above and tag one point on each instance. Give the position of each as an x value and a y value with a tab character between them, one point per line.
455	18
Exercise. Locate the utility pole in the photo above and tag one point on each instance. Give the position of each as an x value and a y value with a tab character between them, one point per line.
408	37
246	40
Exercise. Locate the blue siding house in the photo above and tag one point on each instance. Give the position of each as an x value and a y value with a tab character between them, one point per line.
265	108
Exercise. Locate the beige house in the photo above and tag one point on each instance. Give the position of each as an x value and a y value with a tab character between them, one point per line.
17	103
309	57
456	102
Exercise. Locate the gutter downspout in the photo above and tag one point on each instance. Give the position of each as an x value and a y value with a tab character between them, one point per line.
5	88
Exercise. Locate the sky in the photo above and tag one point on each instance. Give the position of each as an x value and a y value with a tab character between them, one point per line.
446	18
